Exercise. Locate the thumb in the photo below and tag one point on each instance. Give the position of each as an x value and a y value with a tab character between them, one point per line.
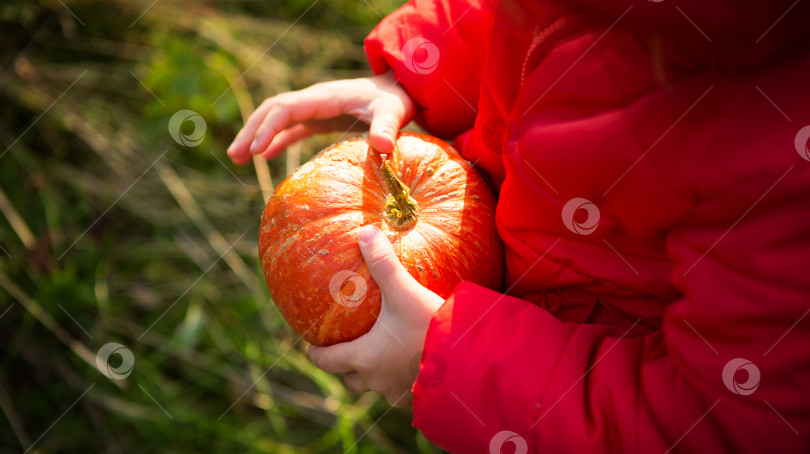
382	262
385	124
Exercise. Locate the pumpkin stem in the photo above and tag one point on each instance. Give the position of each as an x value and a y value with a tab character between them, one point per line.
401	210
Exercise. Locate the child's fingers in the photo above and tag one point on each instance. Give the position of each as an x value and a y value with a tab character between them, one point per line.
399	401
383	264
243	139
286	138
355	382
239	156
300	131
276	120
291	108
385	123
337	359
322	108
242	159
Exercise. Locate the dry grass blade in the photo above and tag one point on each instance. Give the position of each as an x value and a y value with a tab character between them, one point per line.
293	157
189	205
263	174
13	418
162	232
245	103
17	222
35	309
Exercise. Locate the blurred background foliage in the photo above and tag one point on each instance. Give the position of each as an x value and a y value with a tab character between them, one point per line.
110	231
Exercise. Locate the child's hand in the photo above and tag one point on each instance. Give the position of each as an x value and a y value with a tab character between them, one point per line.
381	359
286	118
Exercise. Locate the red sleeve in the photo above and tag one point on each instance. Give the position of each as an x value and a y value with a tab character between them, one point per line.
437	50
703	28
495	363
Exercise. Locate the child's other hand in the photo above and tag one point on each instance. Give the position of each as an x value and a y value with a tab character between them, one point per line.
381	359
286	118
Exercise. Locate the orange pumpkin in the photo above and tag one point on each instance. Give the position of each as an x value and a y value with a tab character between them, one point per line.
432	205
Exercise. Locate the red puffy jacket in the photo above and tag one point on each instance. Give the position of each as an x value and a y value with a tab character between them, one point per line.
652	166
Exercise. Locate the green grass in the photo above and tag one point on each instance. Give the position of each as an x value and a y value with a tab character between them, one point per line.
112	232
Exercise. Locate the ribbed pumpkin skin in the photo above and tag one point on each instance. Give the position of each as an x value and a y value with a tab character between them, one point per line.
309	232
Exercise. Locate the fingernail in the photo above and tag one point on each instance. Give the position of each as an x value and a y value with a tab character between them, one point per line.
254	147
389	144
367	234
